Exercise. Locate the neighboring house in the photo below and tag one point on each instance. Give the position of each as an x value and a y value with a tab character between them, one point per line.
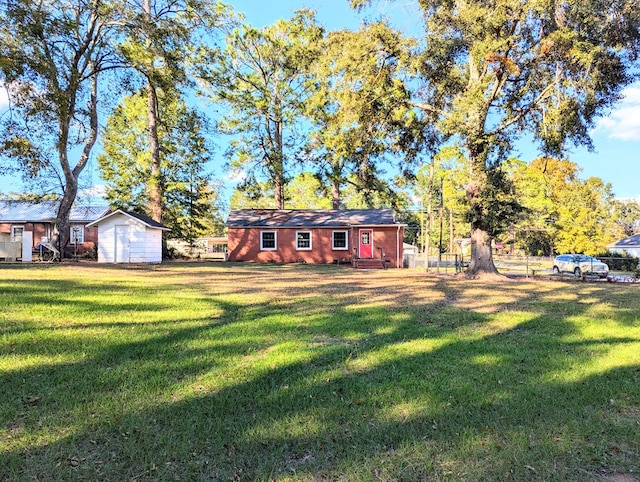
364	238
38	218
129	238
630	246
212	248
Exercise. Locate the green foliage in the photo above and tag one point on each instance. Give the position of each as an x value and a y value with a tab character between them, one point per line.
263	78
52	54
564	213
626	214
360	109
619	262
491	71
584	221
164	40
493	202
189	197
440	187
161	40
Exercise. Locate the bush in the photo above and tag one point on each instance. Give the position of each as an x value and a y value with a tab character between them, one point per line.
618	262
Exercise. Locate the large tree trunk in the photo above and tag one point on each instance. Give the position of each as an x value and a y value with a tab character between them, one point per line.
61	234
481	254
279	180
335	194
481	237
155	180
154	186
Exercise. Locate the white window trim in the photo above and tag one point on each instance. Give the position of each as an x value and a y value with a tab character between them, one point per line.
333	241
298	248
13	233
80	228
275	239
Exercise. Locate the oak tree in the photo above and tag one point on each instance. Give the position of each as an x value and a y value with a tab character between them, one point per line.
493	71
52	56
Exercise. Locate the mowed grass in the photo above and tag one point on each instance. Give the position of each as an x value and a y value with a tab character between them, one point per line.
251	372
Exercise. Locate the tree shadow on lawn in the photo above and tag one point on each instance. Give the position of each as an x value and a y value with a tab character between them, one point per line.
408	391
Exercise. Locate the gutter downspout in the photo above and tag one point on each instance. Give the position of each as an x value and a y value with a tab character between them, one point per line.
398	247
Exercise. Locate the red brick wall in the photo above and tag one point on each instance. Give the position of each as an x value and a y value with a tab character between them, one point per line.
40	230
90	240
244	245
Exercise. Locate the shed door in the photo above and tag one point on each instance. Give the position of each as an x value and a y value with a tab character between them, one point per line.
366	243
121	245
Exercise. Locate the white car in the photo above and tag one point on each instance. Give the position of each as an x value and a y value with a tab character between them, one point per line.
580	265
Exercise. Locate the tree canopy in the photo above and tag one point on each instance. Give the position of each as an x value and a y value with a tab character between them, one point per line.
52	56
189	197
263	78
492	71
334	114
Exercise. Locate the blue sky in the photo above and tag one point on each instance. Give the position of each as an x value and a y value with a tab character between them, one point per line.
616	159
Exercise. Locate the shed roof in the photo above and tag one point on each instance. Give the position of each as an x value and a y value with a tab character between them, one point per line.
630	242
45	212
284	218
146	220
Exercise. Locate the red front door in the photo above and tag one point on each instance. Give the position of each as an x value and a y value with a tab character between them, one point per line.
366	243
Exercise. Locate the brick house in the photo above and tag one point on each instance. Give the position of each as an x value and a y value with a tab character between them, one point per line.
366	238
18	217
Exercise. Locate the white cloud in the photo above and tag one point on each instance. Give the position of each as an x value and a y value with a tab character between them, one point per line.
624	121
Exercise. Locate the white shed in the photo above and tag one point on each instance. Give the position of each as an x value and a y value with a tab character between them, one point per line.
125	237
630	246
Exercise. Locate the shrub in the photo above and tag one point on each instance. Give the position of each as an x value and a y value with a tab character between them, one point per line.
618	262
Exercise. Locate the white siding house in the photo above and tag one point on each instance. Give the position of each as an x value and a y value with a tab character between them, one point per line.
125	237
630	246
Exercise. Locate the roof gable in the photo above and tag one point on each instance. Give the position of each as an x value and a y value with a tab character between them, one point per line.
283	218
146	220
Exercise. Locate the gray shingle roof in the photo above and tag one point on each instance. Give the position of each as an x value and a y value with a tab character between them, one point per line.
146	219
45	211
140	217
274	218
631	241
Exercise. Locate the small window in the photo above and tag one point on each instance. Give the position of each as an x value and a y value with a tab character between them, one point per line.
16	233
76	234
303	240
268	241
339	240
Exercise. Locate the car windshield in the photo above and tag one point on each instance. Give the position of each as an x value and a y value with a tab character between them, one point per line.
582	258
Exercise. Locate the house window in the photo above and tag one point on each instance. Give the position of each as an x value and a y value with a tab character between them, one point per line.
268	241
76	234
303	240
16	233
339	240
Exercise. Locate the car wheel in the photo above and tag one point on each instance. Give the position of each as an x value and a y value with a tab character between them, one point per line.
556	270
577	272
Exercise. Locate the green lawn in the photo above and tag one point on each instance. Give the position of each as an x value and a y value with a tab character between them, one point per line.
243	372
